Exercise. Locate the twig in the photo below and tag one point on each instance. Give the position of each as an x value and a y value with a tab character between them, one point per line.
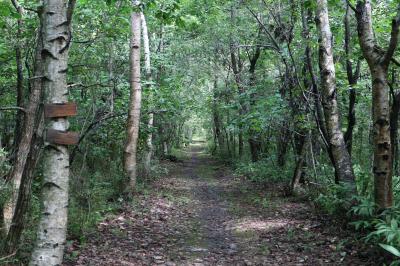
8	256
395	61
12	108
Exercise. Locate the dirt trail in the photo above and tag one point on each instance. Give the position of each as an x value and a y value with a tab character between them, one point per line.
200	214
212	212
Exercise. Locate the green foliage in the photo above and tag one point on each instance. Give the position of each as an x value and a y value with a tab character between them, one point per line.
390	249
383	229
5	189
364	181
263	171
90	201
333	199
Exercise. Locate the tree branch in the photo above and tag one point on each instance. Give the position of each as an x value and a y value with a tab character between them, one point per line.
394	38
351	6
274	42
70	10
12	108
16	5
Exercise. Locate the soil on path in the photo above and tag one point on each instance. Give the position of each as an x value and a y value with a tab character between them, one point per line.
200	214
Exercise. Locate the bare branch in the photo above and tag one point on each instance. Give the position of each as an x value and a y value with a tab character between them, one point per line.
274	42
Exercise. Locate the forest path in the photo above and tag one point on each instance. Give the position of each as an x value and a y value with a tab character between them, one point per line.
200	214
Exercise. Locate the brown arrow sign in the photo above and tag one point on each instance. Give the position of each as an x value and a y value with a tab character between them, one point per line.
60	110
62	138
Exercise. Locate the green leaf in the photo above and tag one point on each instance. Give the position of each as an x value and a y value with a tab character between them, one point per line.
390	249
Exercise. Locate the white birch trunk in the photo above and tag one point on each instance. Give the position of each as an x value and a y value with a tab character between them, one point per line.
149	140
51	234
342	160
130	152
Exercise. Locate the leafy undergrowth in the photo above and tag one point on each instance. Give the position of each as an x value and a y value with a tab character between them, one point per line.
201	215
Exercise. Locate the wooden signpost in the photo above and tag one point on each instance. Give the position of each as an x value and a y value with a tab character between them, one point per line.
62	138
60	110
57	111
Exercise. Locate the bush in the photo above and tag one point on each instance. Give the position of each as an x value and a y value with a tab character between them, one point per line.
383	229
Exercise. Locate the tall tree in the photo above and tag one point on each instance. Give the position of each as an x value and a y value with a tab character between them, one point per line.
378	62
149	80
352	78
342	161
130	152
29	123
27	155
56	16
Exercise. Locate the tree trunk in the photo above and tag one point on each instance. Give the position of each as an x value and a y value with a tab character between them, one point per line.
130	152
25	136
352	78
342	161
25	190
20	77
378	64
33	128
394	126
149	140
301	150
284	139
56	36
217	120
318	110
254	138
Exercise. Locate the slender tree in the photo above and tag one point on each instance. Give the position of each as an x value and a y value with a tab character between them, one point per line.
130	152
341	157
352	78
28	153
149	79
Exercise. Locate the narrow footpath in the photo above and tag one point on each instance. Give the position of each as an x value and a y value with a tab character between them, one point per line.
201	214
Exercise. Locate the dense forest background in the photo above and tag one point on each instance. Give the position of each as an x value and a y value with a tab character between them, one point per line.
296	92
